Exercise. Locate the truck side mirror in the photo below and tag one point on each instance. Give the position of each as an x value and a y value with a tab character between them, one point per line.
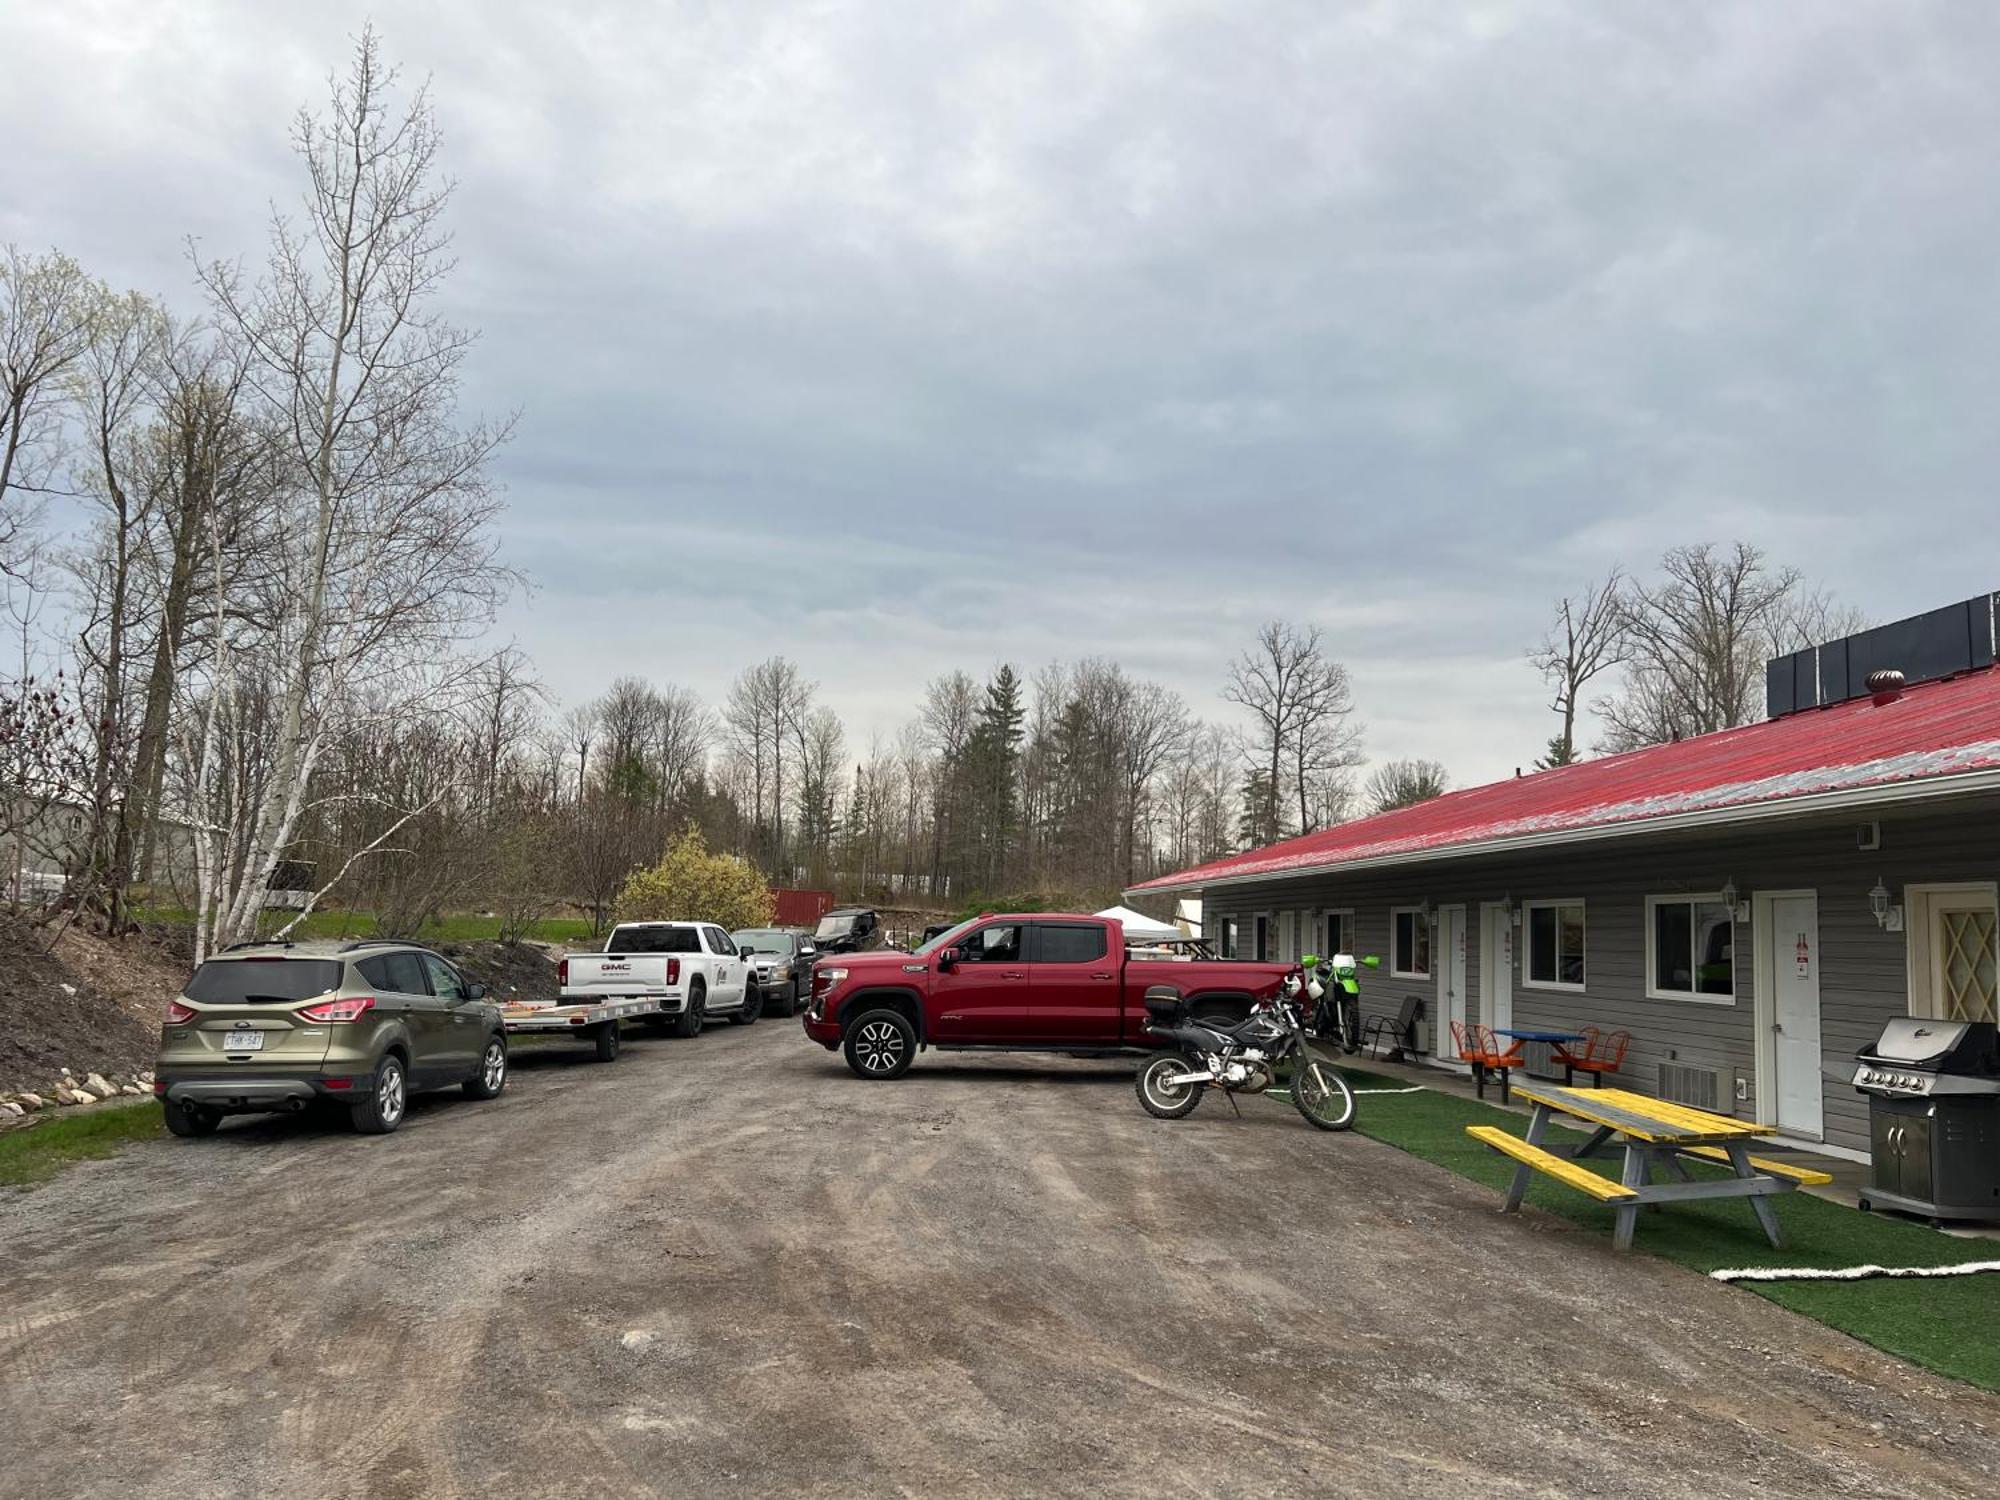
946	958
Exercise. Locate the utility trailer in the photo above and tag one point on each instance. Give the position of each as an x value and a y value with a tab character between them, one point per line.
596	1024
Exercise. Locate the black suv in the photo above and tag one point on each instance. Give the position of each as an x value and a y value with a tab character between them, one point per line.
848	929
278	1026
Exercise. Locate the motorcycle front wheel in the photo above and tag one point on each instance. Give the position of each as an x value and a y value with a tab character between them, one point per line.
1162	1098
1322	1095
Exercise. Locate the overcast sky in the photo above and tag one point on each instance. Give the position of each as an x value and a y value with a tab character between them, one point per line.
897	337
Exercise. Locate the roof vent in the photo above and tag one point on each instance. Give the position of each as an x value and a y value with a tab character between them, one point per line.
1885	687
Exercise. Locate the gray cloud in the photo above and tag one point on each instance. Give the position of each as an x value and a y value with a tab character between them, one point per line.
970	333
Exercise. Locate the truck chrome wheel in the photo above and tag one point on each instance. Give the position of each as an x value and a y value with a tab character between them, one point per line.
879	1046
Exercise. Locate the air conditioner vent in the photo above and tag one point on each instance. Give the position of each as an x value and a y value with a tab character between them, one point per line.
1712	1089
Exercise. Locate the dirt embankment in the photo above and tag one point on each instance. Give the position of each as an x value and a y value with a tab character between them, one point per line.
91	1004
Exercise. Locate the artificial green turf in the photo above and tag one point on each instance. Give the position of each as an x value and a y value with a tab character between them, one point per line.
1951	1325
35	1153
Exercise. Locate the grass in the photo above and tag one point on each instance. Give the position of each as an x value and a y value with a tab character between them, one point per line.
467	928
35	1153
1927	1322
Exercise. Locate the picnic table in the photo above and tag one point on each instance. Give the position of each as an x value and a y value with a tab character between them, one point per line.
1655	1136
1553	1038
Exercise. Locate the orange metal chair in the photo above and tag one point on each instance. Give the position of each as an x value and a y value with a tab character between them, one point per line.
1478	1046
1571	1057
1606	1054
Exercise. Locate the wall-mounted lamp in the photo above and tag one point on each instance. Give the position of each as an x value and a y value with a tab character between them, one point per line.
1888	917
1430	911
1739	909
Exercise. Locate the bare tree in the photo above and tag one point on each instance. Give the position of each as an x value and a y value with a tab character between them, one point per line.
46	308
383	557
1588	637
110	385
1154	724
1404	783
1300	705
1696	644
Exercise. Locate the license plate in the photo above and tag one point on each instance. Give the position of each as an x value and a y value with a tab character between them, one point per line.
245	1040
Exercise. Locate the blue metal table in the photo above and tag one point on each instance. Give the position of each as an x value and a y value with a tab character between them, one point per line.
1553	1038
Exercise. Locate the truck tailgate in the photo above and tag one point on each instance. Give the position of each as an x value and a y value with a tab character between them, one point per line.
625	974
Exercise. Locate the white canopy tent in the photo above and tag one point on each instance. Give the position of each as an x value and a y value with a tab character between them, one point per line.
1142	929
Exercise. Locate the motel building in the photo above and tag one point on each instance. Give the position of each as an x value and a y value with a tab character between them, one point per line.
1751	906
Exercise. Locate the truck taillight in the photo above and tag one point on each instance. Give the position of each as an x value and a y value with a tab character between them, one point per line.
353	1008
179	1014
673	971
562	972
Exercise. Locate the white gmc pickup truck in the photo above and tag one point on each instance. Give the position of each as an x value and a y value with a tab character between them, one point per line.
691	968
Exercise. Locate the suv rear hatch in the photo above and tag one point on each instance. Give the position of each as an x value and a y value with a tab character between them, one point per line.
247	1011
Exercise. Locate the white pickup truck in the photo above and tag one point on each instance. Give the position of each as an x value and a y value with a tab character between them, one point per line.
692	969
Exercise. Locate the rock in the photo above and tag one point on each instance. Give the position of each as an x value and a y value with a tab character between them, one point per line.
635	1339
145	1078
11	1108
73	1096
101	1086
69	989
30	1102
133	1091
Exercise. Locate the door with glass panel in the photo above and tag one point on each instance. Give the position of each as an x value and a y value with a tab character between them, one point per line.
1962	969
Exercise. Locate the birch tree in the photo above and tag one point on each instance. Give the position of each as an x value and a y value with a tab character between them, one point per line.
382	552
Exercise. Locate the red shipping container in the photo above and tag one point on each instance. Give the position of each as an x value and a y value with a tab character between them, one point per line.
802	908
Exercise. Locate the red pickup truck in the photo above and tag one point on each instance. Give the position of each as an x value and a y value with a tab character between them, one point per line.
1034	982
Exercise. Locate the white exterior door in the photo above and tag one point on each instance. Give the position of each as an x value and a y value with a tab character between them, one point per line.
1496	965
1792	940
1448	953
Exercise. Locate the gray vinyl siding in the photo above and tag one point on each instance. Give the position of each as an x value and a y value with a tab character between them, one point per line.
1862	969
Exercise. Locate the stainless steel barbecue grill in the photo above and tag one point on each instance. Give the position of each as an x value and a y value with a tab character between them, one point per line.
1934	1118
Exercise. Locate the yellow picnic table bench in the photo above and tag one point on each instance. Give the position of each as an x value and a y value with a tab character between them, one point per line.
1654	1134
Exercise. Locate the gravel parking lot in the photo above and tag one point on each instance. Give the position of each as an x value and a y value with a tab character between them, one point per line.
725	1267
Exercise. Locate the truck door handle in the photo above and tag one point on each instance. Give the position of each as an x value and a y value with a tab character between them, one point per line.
1100	974
1014	974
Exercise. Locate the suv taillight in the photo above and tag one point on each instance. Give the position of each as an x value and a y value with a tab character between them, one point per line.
353	1008
562	972
673	971
179	1014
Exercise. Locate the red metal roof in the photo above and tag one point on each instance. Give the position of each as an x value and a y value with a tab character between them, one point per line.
1935	730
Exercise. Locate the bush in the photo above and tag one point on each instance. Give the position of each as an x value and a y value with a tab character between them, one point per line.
690	884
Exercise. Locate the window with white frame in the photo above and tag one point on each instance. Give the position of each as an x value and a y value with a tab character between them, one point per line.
1690	949
1410	952
1339	933
1555	945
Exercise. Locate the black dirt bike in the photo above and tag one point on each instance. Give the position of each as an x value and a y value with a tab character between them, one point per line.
1240	1059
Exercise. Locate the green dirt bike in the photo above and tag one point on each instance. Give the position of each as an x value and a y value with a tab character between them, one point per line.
1335	990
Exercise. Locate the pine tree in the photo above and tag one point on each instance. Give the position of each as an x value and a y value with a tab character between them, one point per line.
995	753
